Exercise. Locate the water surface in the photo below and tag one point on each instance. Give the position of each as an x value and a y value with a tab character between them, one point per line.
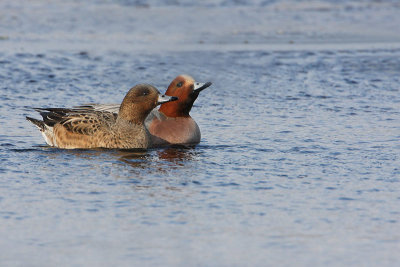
298	163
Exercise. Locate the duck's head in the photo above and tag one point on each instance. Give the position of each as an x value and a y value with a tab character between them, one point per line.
139	101
187	90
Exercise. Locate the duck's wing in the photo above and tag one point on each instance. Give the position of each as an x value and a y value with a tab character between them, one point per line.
78	121
113	108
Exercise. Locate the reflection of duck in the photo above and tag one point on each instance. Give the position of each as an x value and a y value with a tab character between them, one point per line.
84	128
137	159
176	154
171	124
160	160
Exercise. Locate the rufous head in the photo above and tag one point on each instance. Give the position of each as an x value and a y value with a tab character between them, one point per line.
187	90
139	101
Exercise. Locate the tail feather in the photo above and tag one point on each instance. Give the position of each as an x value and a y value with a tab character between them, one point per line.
37	123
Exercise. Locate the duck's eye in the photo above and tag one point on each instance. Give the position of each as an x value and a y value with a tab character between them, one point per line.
146	92
179	84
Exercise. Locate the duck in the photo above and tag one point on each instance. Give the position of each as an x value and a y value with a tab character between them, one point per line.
172	123
73	128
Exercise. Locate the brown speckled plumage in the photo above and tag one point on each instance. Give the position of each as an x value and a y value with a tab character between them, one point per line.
85	128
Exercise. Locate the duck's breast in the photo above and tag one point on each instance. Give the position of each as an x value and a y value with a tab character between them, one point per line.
179	130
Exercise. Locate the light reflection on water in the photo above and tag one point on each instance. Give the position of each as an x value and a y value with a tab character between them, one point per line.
299	154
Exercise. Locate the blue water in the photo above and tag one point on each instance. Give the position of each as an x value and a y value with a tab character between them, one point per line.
298	163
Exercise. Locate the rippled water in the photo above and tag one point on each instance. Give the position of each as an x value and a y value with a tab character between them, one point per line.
298	163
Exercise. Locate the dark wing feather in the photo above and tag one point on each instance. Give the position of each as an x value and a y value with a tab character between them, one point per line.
77	120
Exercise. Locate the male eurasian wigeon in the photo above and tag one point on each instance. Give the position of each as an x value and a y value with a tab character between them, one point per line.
84	128
171	124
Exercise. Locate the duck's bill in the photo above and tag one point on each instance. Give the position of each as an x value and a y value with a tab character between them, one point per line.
198	87
165	99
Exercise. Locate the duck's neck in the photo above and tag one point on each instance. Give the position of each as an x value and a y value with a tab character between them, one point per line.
132	115
172	109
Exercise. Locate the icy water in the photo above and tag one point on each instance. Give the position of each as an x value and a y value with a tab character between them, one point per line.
299	159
